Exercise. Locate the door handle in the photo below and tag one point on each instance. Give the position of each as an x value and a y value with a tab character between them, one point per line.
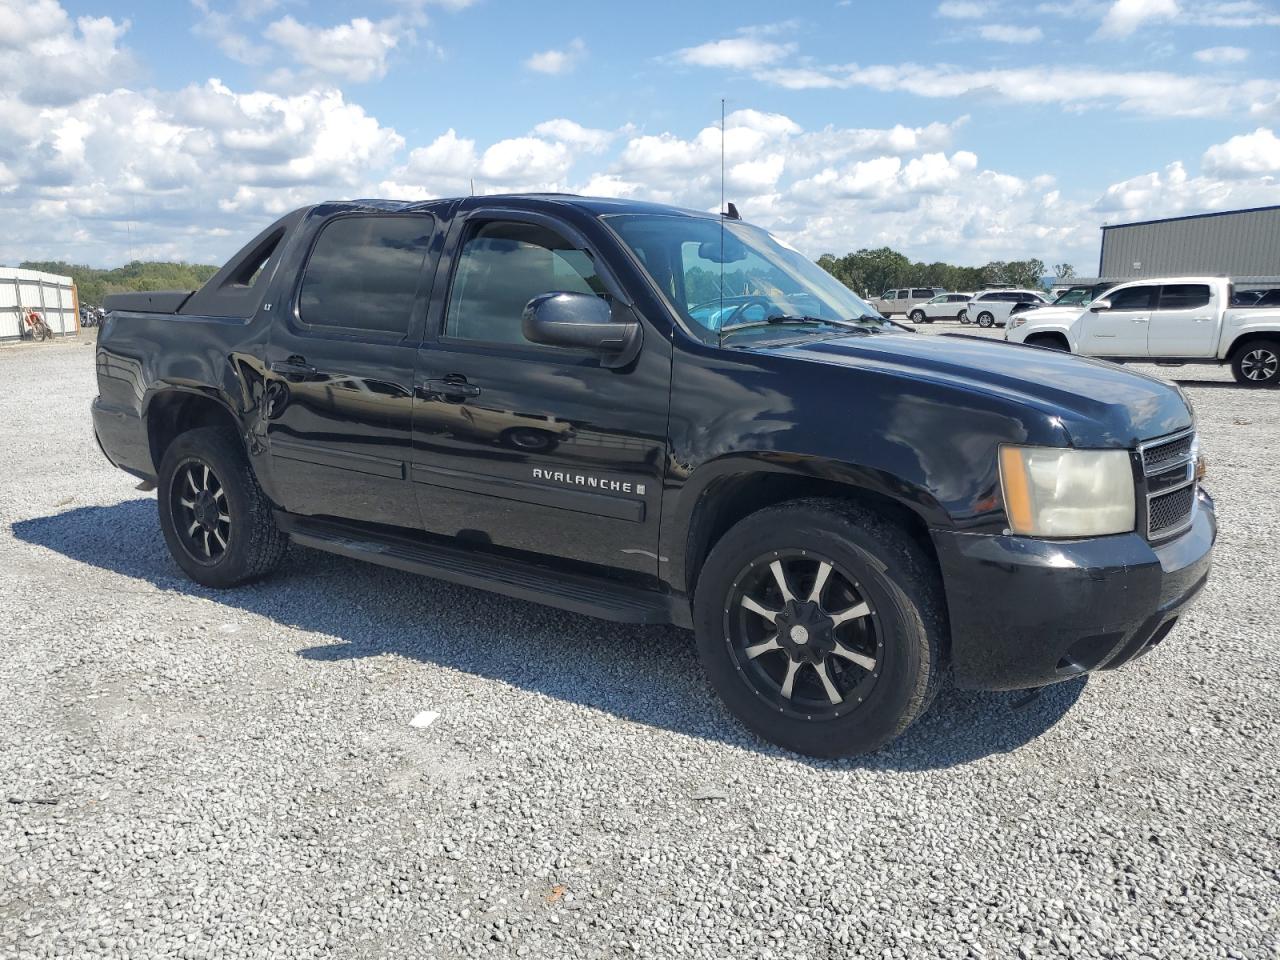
452	387
1141	319
296	367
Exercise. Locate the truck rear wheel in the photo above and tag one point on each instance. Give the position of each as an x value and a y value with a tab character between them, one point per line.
1257	364
215	518
820	626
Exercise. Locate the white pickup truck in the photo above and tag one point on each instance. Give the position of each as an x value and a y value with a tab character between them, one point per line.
1166	320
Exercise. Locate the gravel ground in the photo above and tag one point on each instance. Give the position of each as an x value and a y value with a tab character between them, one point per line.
199	774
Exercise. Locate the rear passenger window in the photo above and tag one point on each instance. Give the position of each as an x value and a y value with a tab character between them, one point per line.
363	273
1183	296
1133	298
504	265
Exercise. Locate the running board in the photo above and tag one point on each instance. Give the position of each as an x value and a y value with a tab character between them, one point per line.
592	596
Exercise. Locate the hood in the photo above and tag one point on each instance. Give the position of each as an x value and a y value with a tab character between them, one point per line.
1052	313
1098	404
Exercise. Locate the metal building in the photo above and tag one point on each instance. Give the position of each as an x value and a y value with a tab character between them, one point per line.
50	295
1241	244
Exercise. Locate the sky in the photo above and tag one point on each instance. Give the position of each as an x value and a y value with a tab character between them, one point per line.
960	130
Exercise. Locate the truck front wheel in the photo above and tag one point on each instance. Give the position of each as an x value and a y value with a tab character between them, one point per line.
215	518
1257	364
820	625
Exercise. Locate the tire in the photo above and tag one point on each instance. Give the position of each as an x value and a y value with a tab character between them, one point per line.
963	316
235	539
889	667
917	316
1048	342
1257	364
985	319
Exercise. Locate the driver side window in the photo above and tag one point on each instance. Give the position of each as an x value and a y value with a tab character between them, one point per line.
501	267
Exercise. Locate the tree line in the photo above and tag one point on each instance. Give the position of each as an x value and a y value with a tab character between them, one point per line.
94	283
871	272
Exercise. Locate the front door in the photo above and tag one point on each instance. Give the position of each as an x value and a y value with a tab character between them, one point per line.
1121	329
340	364
1184	324
527	447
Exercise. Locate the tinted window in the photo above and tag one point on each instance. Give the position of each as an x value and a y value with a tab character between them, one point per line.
957	298
921	294
1183	296
1133	298
989	296
363	273
1270	299
503	266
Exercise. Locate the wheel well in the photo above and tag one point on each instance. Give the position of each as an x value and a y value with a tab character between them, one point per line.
175	412
739	496
1249	339
1048	338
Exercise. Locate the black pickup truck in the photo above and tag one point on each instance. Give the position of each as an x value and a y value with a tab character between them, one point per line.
657	415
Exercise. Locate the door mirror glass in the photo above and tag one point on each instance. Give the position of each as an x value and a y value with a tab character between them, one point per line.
577	320
1099	305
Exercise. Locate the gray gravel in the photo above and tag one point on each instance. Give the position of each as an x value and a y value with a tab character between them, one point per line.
200	774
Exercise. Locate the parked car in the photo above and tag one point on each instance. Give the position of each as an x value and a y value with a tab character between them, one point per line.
844	511
945	306
1169	320
991	308
904	299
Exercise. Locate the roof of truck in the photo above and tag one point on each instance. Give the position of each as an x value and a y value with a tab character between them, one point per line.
599	206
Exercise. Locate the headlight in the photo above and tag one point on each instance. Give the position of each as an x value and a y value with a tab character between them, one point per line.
1057	492
1018	321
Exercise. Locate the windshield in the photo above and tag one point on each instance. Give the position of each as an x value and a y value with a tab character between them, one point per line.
750	279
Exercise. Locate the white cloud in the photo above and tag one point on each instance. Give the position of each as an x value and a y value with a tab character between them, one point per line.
1248	155
355	51
740	52
1126	16
963	9
1157	93
1222	55
557	61
56	62
1004	33
566	131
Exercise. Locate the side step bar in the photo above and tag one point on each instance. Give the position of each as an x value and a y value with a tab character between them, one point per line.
592	596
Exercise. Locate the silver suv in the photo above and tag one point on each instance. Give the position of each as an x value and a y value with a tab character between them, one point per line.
903	299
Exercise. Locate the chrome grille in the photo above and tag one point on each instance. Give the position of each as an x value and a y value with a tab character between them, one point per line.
1169	470
1169	453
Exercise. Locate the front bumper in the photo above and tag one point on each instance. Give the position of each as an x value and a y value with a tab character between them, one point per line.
1026	612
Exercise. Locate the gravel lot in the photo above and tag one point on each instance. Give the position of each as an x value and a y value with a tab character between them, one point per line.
199	774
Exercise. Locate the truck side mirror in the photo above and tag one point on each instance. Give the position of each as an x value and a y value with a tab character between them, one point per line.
1099	305
582	321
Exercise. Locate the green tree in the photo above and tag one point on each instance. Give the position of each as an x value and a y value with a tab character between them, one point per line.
93	283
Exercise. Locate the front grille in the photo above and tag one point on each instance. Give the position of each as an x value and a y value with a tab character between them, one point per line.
1167	453
1169	474
1170	511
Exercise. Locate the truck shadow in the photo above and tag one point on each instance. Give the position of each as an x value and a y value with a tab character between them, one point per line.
647	675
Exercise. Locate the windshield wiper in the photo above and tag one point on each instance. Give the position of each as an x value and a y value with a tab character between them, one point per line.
780	319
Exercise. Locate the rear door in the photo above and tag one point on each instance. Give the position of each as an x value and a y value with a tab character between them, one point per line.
340	364
528	447
1121	330
1185	321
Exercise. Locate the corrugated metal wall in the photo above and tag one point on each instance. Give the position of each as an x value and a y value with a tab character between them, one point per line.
1239	244
50	295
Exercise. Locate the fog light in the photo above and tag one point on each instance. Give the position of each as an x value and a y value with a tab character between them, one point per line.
1202	467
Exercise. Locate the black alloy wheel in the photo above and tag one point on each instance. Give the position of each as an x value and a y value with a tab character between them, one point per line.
820	625
216	520
803	634
200	510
